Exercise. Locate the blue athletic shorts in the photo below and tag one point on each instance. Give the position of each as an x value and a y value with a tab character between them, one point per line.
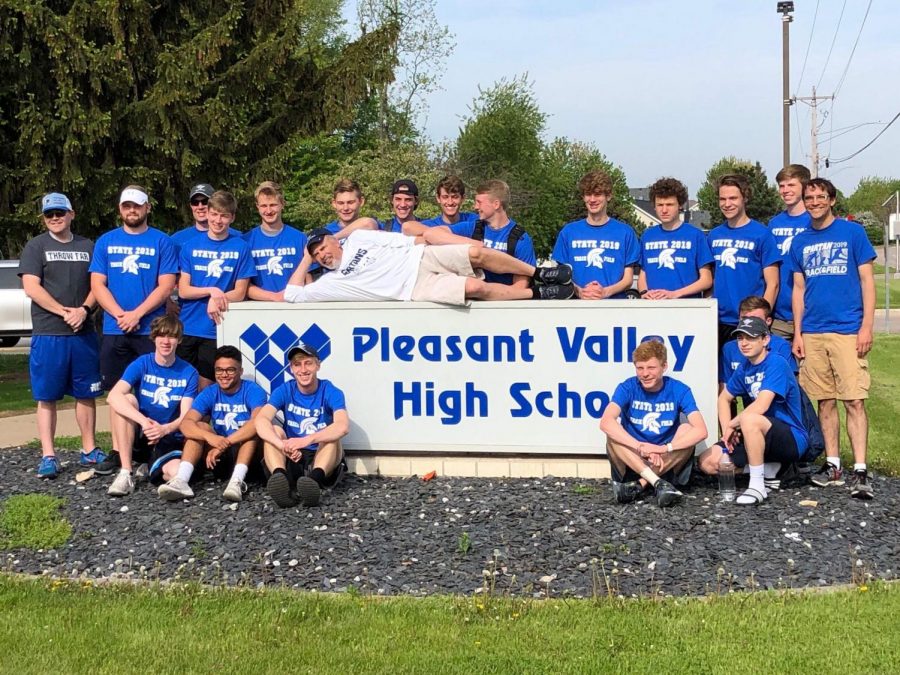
116	354
63	365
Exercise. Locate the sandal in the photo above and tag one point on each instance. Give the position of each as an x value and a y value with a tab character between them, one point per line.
751	497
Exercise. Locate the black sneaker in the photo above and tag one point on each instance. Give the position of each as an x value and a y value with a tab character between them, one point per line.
308	491
786	474
279	489
556	292
666	493
561	274
860	486
625	493
828	474
110	465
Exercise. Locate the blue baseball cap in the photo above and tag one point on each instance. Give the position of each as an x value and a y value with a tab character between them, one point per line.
55	201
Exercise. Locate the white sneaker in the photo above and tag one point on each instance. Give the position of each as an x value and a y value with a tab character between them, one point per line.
175	489
122	485
234	491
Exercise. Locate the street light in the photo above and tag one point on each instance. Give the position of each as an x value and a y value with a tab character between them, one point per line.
785	9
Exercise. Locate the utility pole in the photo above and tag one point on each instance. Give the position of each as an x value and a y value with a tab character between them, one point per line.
813	102
785	9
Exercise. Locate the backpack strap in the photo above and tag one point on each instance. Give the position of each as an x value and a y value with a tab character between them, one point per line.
513	240
478	232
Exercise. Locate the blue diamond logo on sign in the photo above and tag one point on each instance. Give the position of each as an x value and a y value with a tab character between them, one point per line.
268	352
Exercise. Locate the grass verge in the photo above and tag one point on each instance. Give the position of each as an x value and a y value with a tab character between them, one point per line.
895	294
195	629
102	438
33	521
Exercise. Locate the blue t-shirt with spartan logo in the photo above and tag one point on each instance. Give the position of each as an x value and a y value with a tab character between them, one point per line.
784	228
275	257
741	254
132	264
305	414
597	252
672	259
773	374
653	416
829	260
212	263
229	412
159	389
497	240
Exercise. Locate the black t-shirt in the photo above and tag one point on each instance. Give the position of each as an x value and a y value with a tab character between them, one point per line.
63	271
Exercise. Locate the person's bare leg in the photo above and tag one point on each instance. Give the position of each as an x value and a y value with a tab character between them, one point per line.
46	424
831	426
328	456
86	417
857	429
478	289
123	432
499	262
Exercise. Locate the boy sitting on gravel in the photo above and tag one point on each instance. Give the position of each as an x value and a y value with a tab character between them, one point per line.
220	427
305	455
148	404
648	444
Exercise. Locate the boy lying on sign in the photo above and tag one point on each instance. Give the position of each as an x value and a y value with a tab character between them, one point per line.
436	267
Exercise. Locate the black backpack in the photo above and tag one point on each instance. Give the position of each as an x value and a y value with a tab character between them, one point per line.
511	241
813	429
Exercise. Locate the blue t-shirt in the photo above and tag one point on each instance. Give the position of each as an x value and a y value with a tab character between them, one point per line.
653	417
597	252
741	255
275	257
393	225
497	239
133	264
211	263
784	228
305	414
829	260
229	412
159	389
773	374
672	259
464	217
732	357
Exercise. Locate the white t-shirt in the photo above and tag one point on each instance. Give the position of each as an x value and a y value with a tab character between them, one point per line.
374	266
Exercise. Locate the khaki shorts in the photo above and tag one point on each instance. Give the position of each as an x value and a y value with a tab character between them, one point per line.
783	328
442	275
832	369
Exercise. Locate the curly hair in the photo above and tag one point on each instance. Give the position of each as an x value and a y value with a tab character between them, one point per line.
669	187
595	182
649	350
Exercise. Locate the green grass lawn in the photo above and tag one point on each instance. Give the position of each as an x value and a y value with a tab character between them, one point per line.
64	627
15	386
895	294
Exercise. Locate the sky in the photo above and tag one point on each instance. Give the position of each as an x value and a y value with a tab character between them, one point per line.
668	88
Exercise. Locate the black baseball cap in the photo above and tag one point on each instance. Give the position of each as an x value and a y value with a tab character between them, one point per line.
301	348
752	326
316	237
204	189
404	186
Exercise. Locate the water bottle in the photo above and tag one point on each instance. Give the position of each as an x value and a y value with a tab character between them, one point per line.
726	477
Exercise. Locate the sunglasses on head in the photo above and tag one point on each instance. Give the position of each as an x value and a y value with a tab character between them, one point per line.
199	201
54	213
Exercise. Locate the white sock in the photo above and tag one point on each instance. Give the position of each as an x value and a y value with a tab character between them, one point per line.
127	472
836	461
240	472
648	475
859	466
771	469
185	471
757	477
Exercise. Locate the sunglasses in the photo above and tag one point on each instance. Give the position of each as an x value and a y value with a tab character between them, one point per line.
199	201
55	213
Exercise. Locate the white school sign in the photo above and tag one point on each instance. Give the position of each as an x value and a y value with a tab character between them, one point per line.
527	377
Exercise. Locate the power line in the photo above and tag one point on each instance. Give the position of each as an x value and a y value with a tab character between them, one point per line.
833	40
846	130
853	51
808	45
877	136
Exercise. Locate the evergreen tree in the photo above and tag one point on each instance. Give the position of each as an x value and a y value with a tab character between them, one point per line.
764	199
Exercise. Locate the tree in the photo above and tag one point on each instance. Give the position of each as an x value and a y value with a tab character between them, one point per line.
420	51
870	194
764	202
99	94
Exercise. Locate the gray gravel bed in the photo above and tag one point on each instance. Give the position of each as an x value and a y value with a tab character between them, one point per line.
450	535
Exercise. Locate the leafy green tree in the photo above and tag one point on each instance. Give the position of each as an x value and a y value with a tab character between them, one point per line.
870	194
764	202
99	94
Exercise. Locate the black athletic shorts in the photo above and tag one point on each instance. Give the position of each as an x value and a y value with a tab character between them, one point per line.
157	455
780	445
678	476
224	468
116	354
200	353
